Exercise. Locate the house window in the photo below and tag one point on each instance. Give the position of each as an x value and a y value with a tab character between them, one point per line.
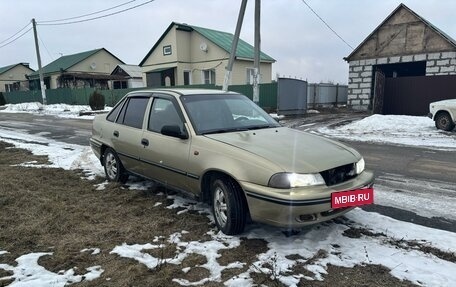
209	77
187	77
249	76
120	85
167	50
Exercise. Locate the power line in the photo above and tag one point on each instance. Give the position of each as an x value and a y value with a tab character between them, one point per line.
15	34
327	25
45	47
90	14
17	38
94	18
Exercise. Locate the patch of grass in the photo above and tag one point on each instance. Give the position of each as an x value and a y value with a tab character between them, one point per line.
246	252
358	232
425	248
401	243
357	276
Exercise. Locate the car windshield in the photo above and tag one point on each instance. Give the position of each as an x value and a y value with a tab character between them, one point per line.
217	113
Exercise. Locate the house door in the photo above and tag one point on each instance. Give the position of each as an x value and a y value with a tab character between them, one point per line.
379	92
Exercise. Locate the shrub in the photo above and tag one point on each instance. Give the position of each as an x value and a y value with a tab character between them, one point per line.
2	99
96	101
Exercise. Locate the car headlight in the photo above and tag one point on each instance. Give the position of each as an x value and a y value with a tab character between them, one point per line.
290	180
360	165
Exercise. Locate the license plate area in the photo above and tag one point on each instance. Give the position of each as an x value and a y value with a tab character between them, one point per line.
357	197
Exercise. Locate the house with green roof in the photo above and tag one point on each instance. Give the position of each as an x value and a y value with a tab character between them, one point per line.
14	77
186	55
86	69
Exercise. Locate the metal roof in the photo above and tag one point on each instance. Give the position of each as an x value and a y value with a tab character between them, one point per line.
132	70
68	61
7	68
221	39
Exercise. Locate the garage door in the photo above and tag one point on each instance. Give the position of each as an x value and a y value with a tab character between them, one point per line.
412	95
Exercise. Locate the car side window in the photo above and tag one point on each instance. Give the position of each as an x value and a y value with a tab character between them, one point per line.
163	113
133	112
113	114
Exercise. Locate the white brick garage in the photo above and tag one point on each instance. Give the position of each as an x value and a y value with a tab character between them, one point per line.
403	45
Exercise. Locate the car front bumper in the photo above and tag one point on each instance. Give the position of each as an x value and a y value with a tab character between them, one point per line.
298	207
430	115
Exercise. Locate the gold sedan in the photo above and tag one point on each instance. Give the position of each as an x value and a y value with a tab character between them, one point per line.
222	148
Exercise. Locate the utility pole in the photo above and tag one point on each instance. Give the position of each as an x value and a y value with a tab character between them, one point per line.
40	71
256	62
234	44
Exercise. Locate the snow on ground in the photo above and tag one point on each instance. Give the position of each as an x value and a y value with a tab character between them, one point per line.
394	129
61	155
58	110
404	262
28	272
414	265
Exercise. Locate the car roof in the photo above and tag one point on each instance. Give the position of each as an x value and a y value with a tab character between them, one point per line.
184	91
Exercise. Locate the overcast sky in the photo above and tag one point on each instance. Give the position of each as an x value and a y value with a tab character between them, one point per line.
290	33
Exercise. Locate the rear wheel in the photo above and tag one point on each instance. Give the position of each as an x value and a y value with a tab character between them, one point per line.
113	167
228	205
444	122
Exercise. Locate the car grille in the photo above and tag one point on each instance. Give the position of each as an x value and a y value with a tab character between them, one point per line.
339	174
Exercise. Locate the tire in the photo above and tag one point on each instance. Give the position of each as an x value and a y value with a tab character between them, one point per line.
113	167
444	122
228	206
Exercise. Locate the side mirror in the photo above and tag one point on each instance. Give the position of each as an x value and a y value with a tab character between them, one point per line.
174	131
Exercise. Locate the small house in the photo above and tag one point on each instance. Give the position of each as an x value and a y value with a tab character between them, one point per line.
86	69
187	55
14	77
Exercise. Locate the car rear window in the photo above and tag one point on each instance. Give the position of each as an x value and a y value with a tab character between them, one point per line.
113	114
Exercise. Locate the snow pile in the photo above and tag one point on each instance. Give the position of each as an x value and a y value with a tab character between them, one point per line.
28	272
58	110
403	130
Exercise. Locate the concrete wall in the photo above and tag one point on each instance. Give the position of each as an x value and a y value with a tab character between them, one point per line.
360	82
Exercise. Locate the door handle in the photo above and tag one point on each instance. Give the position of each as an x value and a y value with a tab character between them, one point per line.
145	142
116	134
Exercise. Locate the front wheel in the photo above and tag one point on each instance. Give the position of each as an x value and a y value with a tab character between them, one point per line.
228	206
444	122
113	167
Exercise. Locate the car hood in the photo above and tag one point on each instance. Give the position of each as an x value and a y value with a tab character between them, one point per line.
292	150
451	102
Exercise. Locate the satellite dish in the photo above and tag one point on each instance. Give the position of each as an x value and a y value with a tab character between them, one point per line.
93	66
203	46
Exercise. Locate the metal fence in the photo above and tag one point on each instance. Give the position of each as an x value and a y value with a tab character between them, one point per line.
268	95
326	95
318	95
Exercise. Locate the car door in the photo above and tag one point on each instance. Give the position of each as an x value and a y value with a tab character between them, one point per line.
166	156
126	134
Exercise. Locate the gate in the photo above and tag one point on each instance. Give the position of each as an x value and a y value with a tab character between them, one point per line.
291	97
412	95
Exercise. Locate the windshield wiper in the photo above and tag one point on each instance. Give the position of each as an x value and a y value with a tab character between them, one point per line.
221	131
261	127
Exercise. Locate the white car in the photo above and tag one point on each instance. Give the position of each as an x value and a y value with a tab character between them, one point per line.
444	114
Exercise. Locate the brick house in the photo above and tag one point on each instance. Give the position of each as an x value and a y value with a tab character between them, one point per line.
404	50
